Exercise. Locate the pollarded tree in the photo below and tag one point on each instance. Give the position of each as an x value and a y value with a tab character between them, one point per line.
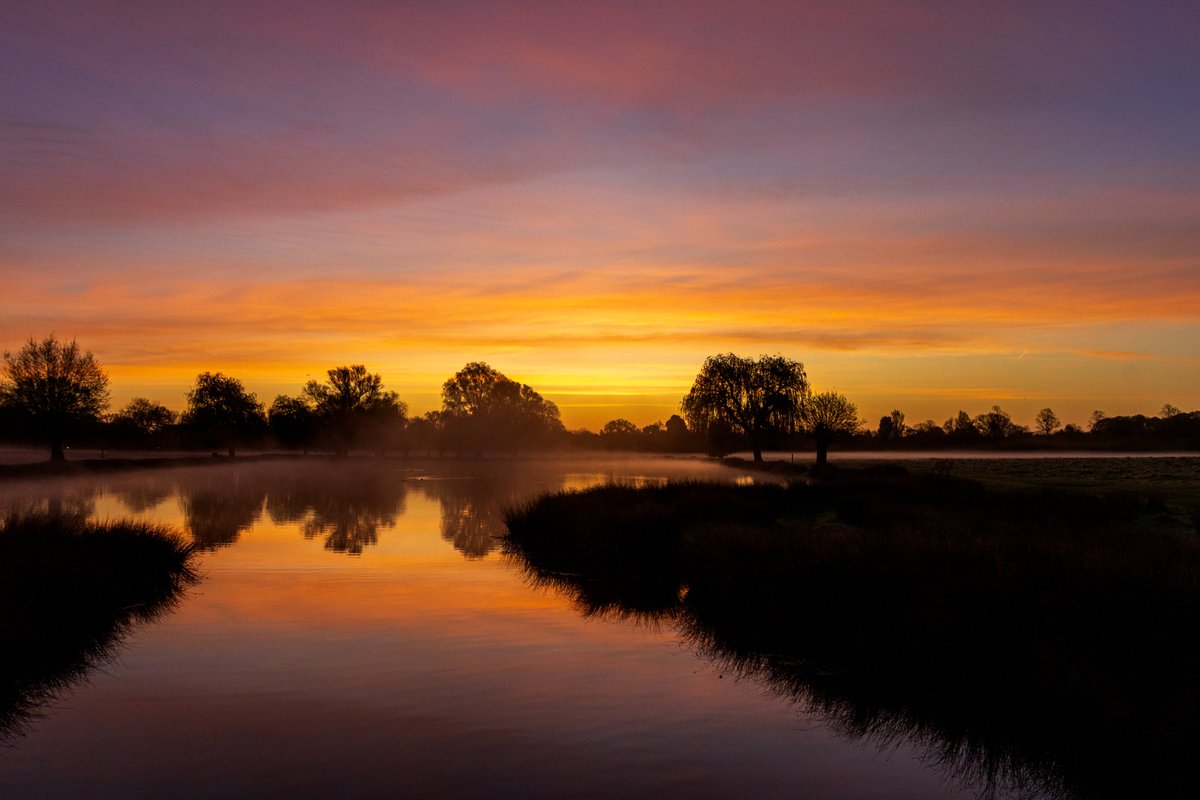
754	398
826	415
221	410
353	402
56	386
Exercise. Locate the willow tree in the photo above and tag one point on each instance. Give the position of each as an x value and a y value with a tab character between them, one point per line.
754	398
56	386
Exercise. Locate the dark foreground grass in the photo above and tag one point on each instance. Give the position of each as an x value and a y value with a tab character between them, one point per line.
69	592
1039	641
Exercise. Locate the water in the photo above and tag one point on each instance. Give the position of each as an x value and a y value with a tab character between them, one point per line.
358	634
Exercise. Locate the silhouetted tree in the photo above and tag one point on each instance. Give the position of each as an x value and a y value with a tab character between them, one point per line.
141	420
1095	418
678	437
961	427
291	421
483	409
826	415
754	398
56	386
996	424
1047	422
222	411
1169	411
620	434
353	401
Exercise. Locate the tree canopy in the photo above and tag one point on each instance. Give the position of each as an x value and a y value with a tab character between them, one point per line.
754	398
825	415
56	386
483	409
222	411
352	406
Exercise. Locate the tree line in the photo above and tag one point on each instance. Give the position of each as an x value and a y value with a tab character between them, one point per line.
53	391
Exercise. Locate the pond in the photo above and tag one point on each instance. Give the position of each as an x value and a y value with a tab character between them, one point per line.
357	633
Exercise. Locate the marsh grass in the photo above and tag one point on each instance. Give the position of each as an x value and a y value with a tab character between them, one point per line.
1033	639
70	590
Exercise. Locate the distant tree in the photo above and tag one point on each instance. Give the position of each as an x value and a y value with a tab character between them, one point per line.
482	409
752	398
291	420
618	427
141	420
55	386
146	416
996	424
825	415
1097	417
892	427
677	437
1047	422
961	427
353	404
620	434
1169	411
222	411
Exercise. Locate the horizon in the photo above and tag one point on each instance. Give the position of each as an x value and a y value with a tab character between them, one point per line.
933	209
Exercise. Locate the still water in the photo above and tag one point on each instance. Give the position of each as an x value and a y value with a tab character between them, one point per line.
357	633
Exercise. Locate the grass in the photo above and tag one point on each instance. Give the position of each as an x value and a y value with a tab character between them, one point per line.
70	590
1033	638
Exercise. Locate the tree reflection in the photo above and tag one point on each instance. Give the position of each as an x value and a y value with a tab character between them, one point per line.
473	507
148	492
347	508
218	507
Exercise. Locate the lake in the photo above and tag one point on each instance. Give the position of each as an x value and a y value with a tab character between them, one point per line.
357	633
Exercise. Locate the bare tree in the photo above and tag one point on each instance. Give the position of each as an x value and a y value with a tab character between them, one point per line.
56	385
1047	422
825	415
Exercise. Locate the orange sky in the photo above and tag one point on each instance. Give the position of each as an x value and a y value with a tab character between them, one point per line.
933	209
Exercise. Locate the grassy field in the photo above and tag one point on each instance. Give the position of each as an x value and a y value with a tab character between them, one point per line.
1026	635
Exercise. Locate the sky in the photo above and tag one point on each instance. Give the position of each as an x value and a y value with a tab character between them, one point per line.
934	206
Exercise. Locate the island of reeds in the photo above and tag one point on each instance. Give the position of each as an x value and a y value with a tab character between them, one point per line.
1037	640
70	591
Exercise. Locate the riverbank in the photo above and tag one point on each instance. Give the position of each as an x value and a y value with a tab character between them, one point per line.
1023	635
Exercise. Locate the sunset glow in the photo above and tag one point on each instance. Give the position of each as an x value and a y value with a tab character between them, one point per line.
934	207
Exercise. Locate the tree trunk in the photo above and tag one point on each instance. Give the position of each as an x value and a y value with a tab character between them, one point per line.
757	453
56	450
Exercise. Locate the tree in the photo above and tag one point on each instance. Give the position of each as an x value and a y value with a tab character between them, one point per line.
141	420
752	398
996	424
56	386
1046	422
483	409
353	404
892	427
290	420
221	410
619	434
145	416
826	415
1169	411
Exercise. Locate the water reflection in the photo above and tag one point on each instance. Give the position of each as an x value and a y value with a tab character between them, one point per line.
1000	719
218	508
70	592
346	509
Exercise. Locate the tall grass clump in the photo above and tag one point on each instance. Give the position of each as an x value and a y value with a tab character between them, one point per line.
69	592
1020	636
